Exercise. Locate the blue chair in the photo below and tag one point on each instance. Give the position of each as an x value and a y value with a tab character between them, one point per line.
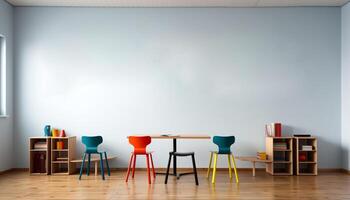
224	144
91	147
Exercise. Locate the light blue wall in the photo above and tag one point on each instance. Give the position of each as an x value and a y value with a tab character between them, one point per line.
346	85
6	123
122	71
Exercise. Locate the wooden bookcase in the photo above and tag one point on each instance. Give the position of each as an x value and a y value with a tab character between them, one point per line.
61	157
281	159
39	158
309	165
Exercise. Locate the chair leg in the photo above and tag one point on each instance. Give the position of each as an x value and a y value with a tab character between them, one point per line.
82	166
154	173
108	170
234	167
214	169
209	168
148	170
229	165
130	163
194	169
133	166
88	165
167	170
102	169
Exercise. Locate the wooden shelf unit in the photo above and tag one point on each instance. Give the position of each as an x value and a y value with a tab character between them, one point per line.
281	160
309	166
60	158
39	159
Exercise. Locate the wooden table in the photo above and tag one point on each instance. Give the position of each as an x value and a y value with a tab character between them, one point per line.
95	160
253	160
175	137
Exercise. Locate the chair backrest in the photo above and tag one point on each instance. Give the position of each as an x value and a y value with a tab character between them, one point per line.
224	143
140	143
91	143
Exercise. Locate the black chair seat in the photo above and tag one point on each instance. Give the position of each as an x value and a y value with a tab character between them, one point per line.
182	153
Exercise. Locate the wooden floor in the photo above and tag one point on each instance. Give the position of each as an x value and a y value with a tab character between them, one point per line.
19	185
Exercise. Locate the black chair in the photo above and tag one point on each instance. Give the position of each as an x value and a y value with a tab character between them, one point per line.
182	154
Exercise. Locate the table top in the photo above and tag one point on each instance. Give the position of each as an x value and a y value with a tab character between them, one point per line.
176	136
179	136
251	159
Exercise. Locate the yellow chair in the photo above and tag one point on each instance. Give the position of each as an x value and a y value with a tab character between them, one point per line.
224	143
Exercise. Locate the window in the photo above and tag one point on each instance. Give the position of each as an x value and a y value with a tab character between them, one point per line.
2	76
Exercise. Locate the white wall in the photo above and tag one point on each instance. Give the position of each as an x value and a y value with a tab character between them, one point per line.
6	123
121	71
346	86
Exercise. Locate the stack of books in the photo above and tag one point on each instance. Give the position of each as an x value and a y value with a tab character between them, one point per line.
273	130
280	146
261	155
40	145
306	148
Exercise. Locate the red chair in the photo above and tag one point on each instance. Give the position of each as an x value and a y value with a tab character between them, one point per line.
140	143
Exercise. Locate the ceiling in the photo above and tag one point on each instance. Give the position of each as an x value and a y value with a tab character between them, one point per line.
179	3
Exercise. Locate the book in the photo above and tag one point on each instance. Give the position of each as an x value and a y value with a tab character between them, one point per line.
261	155
278	129
280	146
268	130
169	135
273	130
40	145
307	148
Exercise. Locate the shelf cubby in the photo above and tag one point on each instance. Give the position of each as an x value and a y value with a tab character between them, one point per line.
61	155
281	157
305	160
39	157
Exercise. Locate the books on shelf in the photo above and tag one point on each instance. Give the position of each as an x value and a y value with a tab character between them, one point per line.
280	146
273	130
307	148
40	145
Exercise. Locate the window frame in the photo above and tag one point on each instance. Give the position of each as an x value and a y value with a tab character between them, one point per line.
3	111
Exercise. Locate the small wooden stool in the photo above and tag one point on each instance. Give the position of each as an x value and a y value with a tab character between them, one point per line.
95	160
253	160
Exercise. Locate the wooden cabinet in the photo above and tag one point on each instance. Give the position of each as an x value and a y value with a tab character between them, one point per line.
291	155
52	155
280	151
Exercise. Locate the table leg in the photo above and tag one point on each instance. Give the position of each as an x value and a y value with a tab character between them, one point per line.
253	168
96	168
174	162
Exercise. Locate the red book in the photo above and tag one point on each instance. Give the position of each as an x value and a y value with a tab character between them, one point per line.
278	129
